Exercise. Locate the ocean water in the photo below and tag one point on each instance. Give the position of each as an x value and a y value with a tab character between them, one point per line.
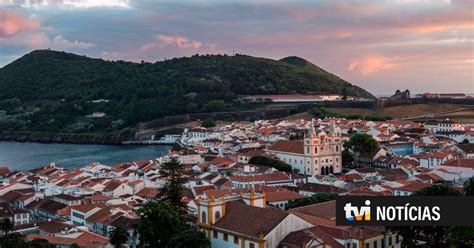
27	156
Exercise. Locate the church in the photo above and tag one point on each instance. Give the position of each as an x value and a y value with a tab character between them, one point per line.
317	154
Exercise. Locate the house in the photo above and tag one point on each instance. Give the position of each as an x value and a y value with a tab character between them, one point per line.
129	224
244	157
17	216
367	160
398	148
116	188
448	126
47	208
459	166
272	179
80	213
410	188
309	189
281	197
245	221
317	154
466	150
73	236
67	199
431	160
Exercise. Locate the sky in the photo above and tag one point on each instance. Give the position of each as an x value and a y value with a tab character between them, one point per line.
380	45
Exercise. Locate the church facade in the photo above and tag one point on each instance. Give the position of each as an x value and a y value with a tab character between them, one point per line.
316	154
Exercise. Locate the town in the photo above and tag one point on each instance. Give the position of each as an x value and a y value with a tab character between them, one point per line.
266	183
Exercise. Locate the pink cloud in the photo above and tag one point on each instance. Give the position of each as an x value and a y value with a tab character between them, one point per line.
162	41
371	65
13	23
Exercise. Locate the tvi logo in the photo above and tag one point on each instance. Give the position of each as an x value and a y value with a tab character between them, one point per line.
362	213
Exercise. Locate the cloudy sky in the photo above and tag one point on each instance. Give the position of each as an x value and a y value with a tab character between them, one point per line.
381	45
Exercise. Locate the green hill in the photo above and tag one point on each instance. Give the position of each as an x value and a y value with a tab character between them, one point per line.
54	91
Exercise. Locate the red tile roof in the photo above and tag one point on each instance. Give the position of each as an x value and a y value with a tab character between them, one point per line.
461	162
290	146
413	186
248	220
271	177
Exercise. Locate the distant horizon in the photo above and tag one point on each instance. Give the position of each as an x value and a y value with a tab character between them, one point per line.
379	45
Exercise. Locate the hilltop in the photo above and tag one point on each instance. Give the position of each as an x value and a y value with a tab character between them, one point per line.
53	91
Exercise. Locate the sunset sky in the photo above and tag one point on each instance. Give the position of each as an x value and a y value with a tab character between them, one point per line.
381	45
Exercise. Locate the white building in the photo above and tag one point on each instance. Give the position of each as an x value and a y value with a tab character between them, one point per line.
317	154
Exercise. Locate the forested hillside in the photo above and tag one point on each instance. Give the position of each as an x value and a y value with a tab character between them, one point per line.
54	91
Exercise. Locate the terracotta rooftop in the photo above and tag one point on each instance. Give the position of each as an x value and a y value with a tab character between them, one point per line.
460	162
320	188
248	220
290	146
413	186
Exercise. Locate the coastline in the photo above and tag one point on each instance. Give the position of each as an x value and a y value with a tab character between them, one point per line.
66	138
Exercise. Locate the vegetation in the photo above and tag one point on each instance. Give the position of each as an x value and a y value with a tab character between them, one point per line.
189	237
270	162
6	225
54	91
207	123
164	223
317	198
469	187
437	236
18	240
321	113
158	222
118	236
362	144
172	191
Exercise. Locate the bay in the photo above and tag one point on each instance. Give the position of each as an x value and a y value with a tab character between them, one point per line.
27	156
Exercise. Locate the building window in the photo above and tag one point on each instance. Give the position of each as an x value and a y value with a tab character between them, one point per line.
226	237
214	234
307	149
367	245
251	245
217	215
389	240
236	240
204	217
375	244
315	150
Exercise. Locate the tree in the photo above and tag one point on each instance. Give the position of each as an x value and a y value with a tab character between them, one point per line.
6	226
207	123
16	240
159	221
270	162
317	198
74	246
214	106
469	187
172	191
465	141
362	144
344	93
190	237
39	243
118	236
347	157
